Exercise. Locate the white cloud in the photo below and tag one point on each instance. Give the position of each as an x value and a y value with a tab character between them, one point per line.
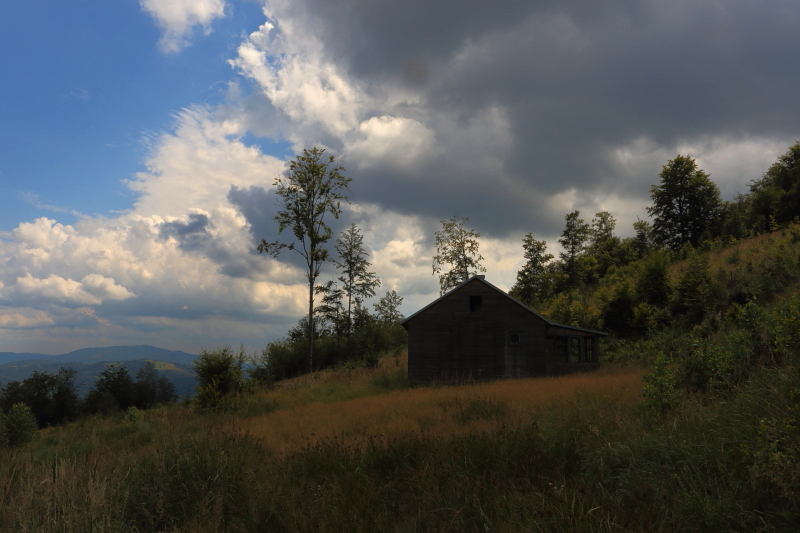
93	289
177	19
25	319
396	141
195	166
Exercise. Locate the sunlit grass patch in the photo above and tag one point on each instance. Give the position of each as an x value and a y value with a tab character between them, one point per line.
442	410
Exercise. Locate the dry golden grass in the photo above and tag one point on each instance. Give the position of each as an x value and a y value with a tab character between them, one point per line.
435	410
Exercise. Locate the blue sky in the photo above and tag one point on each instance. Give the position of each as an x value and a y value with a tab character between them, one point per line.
139	141
85	84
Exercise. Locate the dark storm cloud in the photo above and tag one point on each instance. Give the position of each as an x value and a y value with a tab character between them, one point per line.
191	235
260	206
577	80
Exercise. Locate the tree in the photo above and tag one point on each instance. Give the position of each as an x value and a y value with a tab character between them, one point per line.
573	240
532	280
51	398
775	199
458	247
112	391
19	425
311	189
387	308
358	282
219	373
331	308
152	389
602	228
643	241
685	203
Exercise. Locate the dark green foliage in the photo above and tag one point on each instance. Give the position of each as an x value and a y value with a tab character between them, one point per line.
152	389
617	311
573	240
311	189
112	391
652	284
661	386
533	283
387	310
775	198
685	203
19	425
52	399
776	453
358	282
457	249
693	295
220	373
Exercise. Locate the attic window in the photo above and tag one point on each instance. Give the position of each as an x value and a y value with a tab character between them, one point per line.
514	339
475	303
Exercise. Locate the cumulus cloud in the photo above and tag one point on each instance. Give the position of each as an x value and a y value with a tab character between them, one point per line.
91	290
519	103
511	113
178	18
25	319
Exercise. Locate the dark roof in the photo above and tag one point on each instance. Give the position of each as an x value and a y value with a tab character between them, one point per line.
482	279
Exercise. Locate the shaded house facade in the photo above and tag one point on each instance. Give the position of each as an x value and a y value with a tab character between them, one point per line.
478	331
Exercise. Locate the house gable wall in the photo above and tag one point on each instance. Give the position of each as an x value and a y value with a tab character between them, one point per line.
448	340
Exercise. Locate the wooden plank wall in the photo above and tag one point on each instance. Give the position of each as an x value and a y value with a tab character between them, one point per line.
448	341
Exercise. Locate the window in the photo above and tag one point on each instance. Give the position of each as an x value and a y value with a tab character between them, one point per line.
588	350
557	349
514	339
475	303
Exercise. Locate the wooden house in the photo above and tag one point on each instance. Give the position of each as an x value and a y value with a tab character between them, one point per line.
478	331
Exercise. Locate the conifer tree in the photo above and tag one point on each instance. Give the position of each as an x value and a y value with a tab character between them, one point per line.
358	283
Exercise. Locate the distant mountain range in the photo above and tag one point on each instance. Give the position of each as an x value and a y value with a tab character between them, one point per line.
89	362
109	354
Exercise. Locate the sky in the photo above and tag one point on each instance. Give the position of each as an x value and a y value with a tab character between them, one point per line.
140	141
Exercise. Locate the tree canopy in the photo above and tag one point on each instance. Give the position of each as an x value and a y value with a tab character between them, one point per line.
532	279
456	247
311	189
685	203
358	282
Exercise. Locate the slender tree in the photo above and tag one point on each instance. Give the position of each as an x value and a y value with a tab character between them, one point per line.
573	240
309	191
532	280
457	247
685	203
358	282
331	309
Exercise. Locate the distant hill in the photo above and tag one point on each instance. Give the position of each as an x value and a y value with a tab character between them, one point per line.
109	353
89	362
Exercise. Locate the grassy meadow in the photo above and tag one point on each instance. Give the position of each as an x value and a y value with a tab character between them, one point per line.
364	450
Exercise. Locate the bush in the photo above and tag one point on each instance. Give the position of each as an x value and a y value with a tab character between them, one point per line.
219	374
20	425
661	391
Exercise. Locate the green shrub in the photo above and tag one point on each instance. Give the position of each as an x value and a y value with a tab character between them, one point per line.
134	415
219	374
3	439
661	392
707	367
20	425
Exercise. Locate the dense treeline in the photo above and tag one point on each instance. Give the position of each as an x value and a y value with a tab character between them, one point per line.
45	399
634	289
